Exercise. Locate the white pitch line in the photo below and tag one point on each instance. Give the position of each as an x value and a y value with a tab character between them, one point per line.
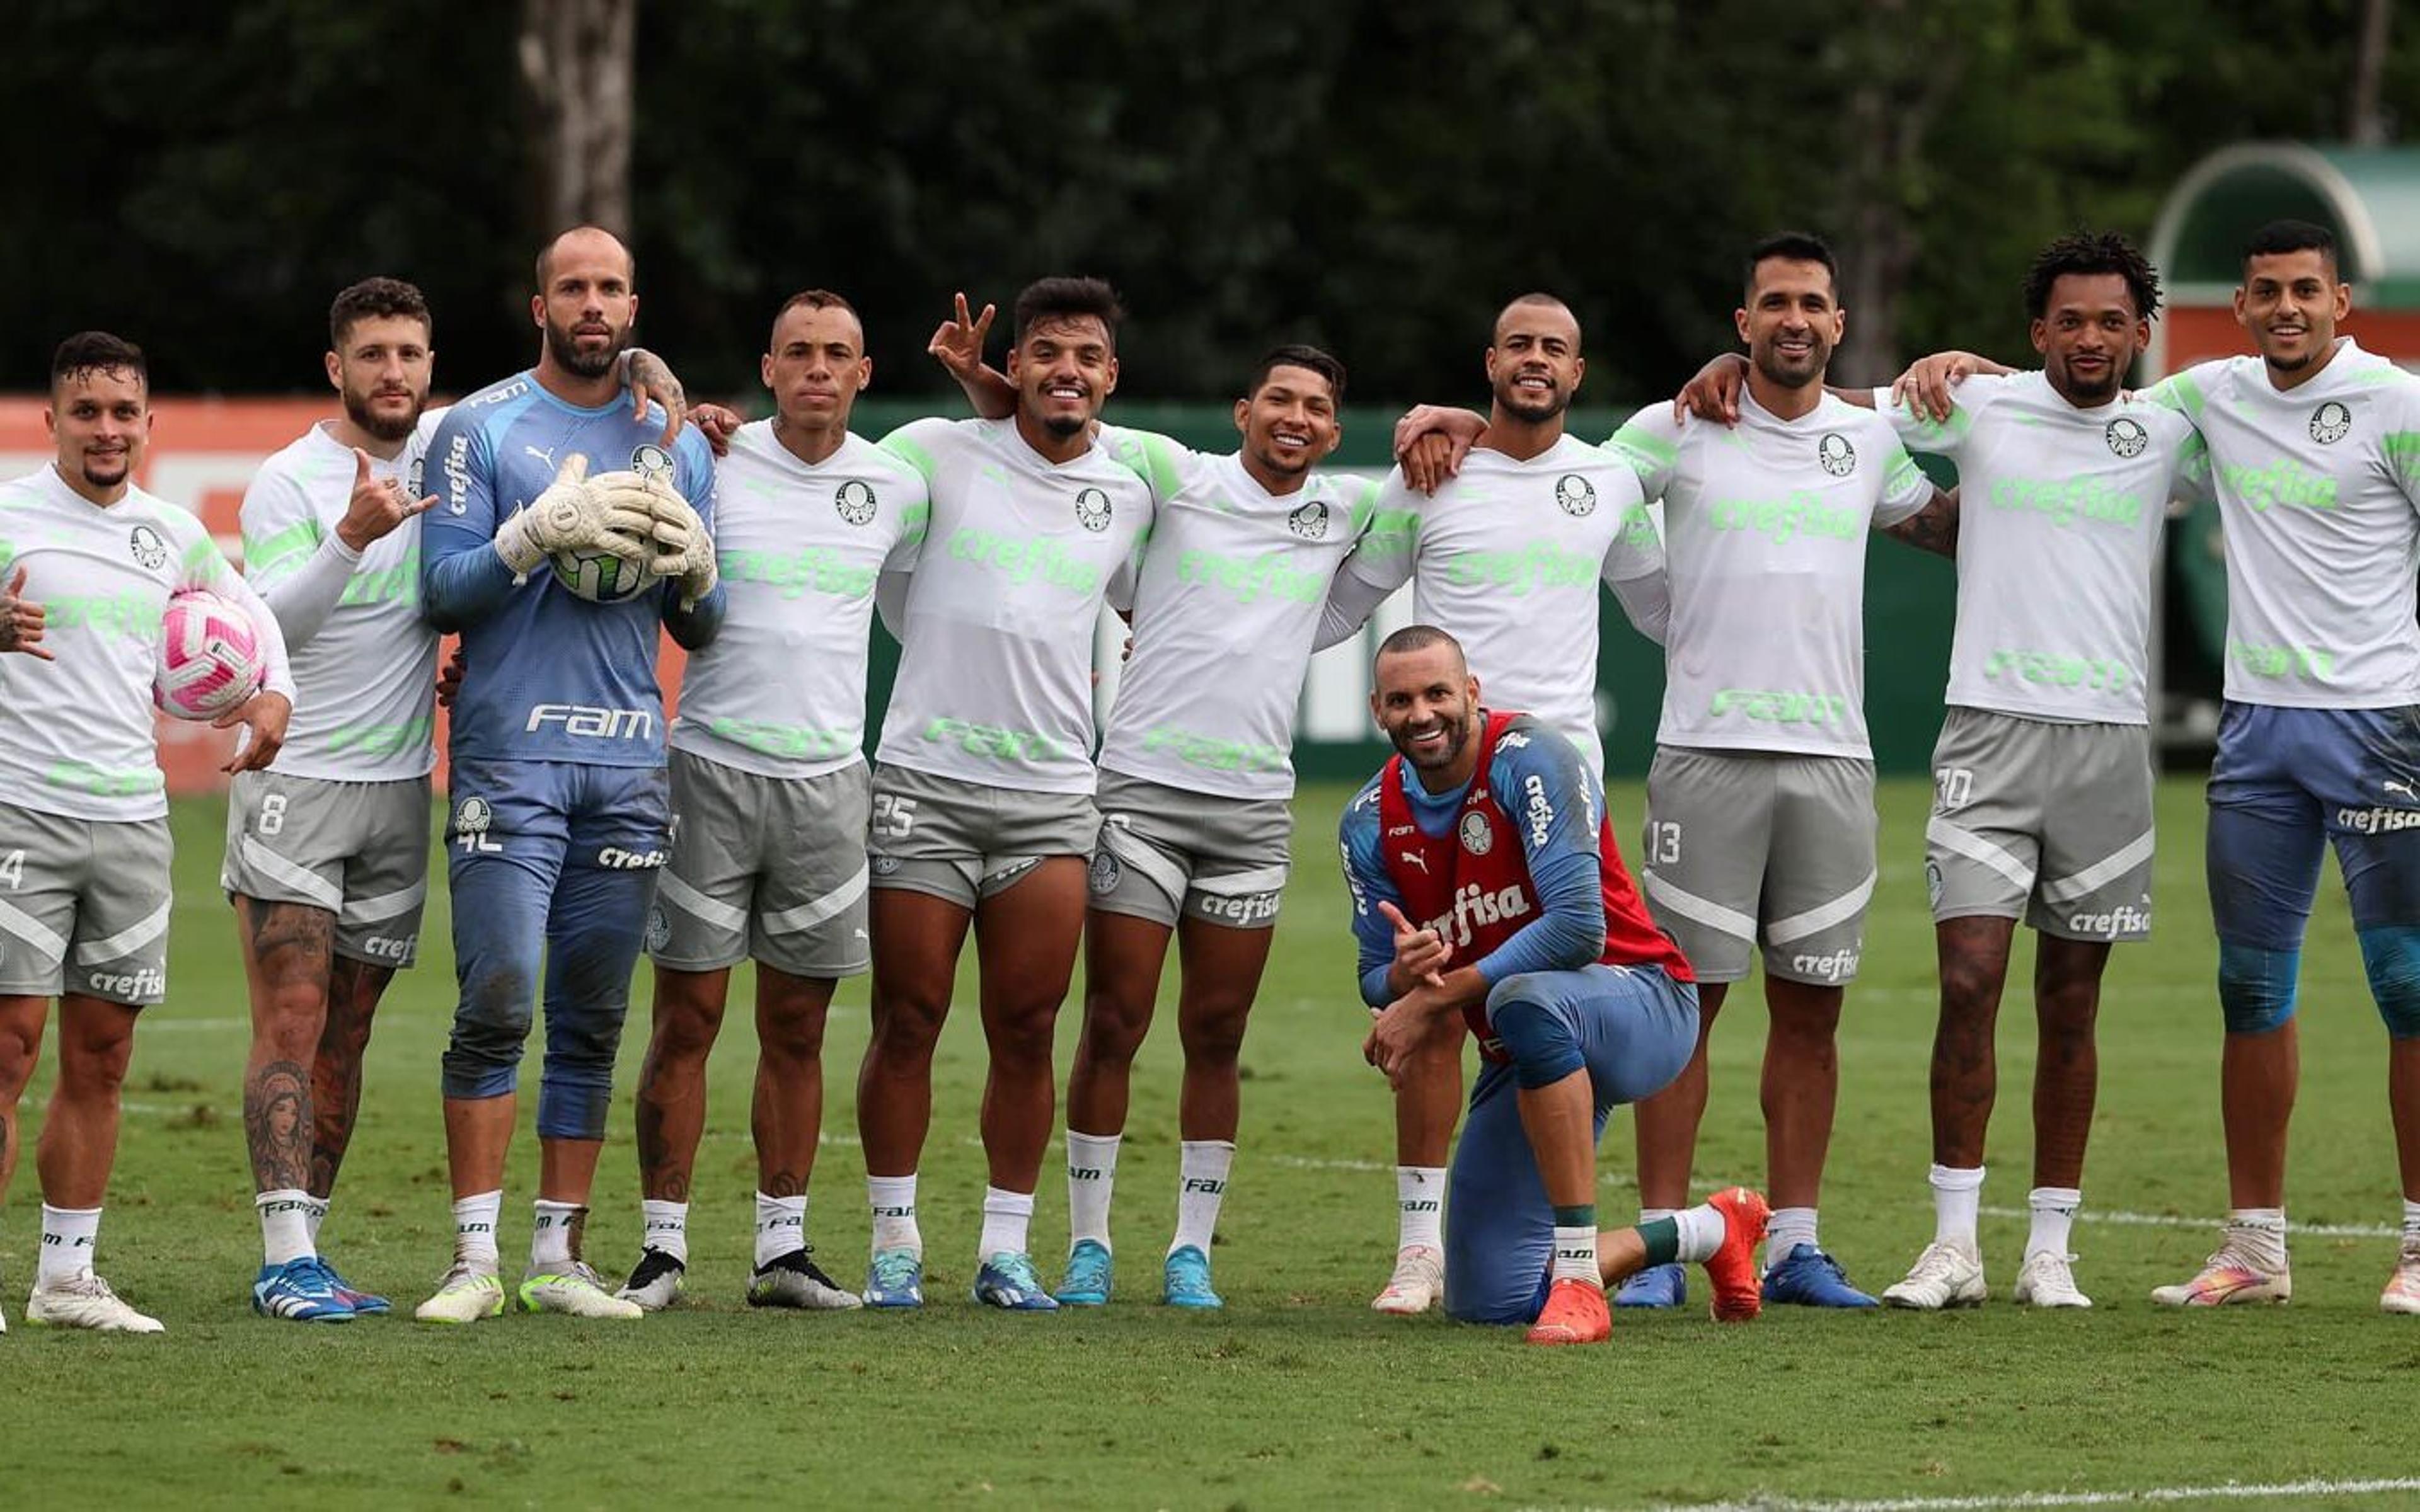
2149	1495
2169	1220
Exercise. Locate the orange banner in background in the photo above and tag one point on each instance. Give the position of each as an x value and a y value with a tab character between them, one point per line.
202	457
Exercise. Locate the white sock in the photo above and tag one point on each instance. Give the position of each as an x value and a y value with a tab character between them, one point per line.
67	1238
285	1224
1702	1232
2261	1230
2410	1223
1091	1173
1006	1218
780	1227
315	1212
1202	1165
1957	1193
664	1226
1788	1228
1576	1253
474	1230
554	1232
893	1201
2053	1210
1419	1202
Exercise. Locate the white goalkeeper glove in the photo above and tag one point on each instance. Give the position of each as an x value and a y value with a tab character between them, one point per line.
576	514
682	548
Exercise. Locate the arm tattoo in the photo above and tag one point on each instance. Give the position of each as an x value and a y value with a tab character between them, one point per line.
1933	529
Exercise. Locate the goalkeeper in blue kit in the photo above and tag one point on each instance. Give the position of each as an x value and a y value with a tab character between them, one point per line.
559	805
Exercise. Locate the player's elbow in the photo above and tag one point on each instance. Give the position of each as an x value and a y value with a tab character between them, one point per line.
1579	935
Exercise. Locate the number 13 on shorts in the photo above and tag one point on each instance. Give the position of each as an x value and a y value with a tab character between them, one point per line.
1664	842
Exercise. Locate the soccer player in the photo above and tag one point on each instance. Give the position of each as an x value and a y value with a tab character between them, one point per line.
983	806
89	562
2311	446
1488	892
1196	776
2043	776
1506	556
770	791
327	851
561	808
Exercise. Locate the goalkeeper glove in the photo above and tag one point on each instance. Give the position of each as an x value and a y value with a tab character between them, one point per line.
682	548
575	515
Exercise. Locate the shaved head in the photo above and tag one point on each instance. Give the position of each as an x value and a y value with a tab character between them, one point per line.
1533	306
590	240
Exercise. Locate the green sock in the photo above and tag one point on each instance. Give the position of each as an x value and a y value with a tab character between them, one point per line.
1583	1217
1662	1237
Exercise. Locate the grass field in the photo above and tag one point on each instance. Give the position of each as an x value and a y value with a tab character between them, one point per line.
1296	1393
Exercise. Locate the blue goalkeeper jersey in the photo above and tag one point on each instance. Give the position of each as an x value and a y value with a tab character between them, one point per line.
548	676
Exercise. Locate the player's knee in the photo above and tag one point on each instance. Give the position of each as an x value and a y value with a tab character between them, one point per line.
791	1033
685	1028
1541	1041
1970	990
1214	1036
1022	1037
2257	987
2391	955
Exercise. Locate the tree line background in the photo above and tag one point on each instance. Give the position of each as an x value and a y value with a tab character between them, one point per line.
1373	175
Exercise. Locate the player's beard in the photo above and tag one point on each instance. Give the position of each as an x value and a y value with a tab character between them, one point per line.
358	411
1533	411
2078	392
107	471
568	355
1776	370
1457	736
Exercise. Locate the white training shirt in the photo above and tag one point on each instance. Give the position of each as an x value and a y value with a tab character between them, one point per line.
365	661
780	691
2059	510
1506	556
78	737
1765	527
2317	488
995	683
1225	608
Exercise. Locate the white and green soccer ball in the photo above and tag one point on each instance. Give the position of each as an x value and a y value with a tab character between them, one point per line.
599	575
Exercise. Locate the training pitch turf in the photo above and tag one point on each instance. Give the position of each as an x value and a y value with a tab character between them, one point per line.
1296	1393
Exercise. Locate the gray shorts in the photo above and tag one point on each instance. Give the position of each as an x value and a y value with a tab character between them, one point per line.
1166	853
768	867
1749	847
2048	822
359	850
967	841
83	906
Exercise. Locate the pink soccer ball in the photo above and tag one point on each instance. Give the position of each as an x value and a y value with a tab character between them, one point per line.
210	657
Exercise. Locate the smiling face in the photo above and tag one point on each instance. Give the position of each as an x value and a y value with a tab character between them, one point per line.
2088	334
1064	369
1534	364
1289	422
1792	322
2290	302
100	419
1427	703
818	367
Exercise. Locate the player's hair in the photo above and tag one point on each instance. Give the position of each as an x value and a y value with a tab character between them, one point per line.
546	254
1417	638
1534	297
818	298
97	351
1791	246
377	299
1295	354
1048	300
2089	253
2291	236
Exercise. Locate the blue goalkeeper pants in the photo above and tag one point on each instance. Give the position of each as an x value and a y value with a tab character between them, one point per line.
554	861
1636	1028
